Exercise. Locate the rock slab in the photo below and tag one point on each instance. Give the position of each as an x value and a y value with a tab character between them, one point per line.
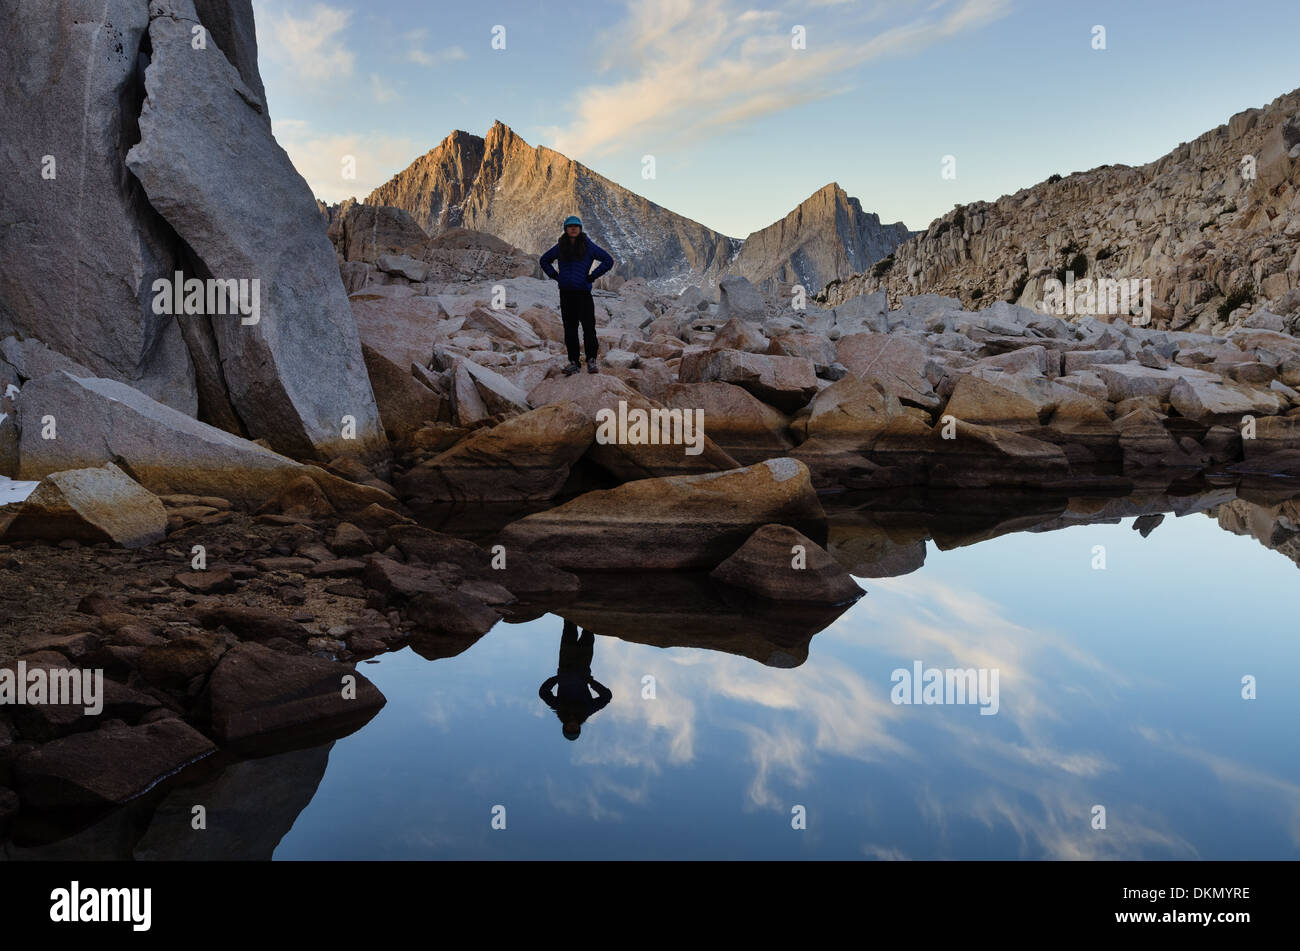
671	523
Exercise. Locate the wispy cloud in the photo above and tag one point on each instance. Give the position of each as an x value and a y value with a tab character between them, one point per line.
310	45
683	66
320	158
381	91
418	53
451	54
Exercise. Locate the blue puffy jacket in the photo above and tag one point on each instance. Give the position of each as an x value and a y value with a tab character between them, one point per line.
577	275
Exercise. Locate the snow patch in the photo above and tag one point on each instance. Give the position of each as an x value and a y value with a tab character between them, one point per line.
783	468
11	491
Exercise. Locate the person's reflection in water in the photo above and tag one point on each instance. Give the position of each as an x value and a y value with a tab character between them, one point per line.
573	702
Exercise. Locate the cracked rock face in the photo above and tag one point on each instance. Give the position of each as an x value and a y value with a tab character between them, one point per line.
209	164
79	244
138	147
1193	222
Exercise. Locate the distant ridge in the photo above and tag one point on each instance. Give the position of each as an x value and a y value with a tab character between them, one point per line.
503	186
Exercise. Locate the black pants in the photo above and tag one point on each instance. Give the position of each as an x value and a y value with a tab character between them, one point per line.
577	307
576	650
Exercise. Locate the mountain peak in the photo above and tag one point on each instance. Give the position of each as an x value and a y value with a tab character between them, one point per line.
500	130
502	186
827	237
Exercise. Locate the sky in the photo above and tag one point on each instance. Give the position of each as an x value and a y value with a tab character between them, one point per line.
745	114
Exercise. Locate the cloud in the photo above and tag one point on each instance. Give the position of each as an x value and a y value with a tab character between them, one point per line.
319	158
311	46
684	67
452	54
380	91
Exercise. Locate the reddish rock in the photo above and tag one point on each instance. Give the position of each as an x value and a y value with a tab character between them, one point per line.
256	692
350	540
781	564
213	581
250	623
109	766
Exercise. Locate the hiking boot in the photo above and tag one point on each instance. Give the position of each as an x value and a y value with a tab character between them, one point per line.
572	368
591	366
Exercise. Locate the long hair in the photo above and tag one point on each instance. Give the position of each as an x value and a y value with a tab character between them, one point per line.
573	249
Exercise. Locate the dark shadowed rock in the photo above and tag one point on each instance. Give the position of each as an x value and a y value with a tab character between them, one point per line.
1273	436
400	580
350	540
302	497
212	581
250	807
255	694
687	609
250	623
42	722
108	766
179	661
30	359
529	577
974	456
404	403
781	564
450	612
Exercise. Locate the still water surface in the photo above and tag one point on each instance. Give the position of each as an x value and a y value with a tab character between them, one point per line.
1118	687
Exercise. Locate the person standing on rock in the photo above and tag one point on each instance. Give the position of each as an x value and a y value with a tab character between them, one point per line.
573	702
576	252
